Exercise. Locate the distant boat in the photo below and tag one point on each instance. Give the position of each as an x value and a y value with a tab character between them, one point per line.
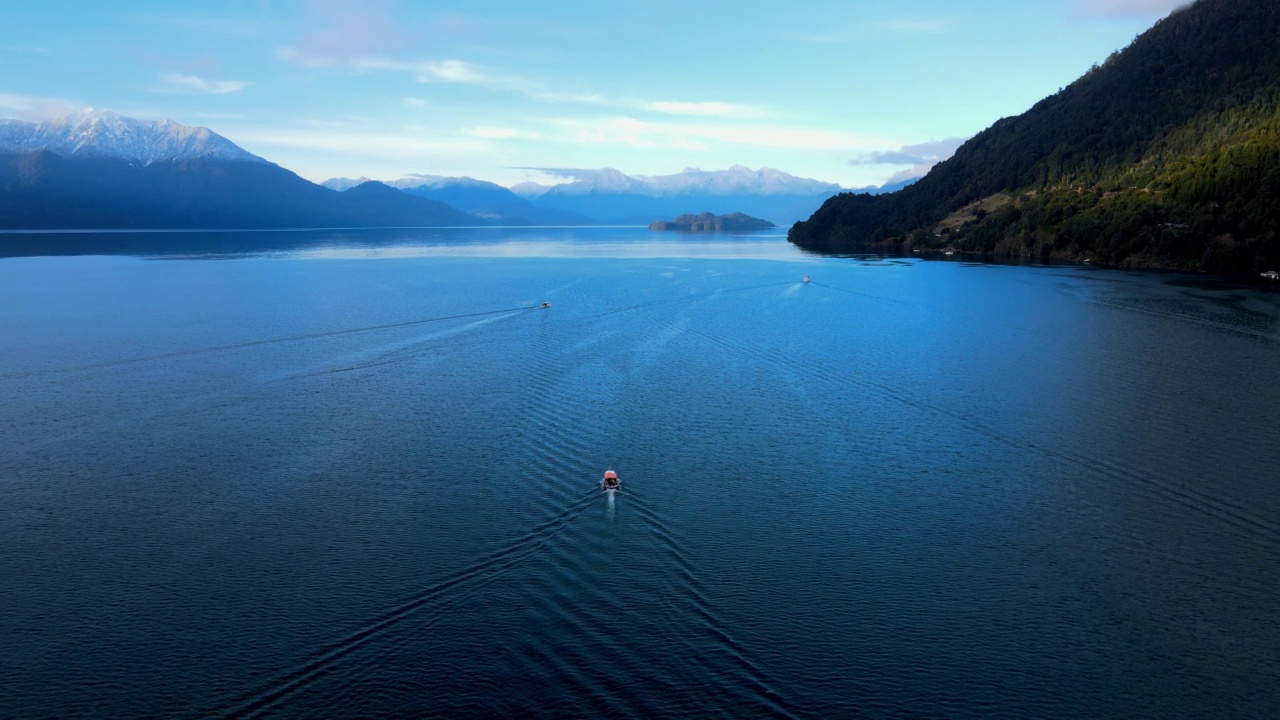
545	305
1271	275
806	278
610	481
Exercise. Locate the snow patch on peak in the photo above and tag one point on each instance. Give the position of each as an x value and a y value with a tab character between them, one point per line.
344	184
530	190
736	179
412	182
604	180
436	182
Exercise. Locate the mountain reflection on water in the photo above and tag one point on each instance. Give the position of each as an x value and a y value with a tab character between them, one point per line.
348	478
399	242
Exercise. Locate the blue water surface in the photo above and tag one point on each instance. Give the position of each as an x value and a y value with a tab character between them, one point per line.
356	474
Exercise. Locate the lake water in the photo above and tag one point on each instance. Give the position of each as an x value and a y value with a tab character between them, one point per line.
356	475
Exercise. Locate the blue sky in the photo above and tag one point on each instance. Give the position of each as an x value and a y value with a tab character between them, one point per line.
847	91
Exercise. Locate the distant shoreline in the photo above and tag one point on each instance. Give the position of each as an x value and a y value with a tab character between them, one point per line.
104	231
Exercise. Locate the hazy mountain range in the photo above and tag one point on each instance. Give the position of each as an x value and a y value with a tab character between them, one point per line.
487	201
98	169
610	196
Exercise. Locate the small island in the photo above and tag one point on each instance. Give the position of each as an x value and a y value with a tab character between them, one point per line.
706	222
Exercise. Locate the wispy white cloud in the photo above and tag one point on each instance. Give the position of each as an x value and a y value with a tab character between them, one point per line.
295	56
570	98
823	38
234	27
324	124
701	109
449	71
454	71
500	133
340	36
864	29
919	158
1141	9
663	107
424	71
414	102
457	71
337	32
930	152
912	27
181	83
213	116
635	132
395	146
35	109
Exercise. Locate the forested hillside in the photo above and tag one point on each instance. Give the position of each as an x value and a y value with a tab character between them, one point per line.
1166	155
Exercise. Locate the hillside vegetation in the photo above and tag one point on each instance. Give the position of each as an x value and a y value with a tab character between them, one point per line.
1166	155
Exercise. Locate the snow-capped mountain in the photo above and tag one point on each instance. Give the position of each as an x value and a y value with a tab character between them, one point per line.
345	184
101	170
607	195
434	182
737	180
602	181
439	181
530	190
613	197
102	134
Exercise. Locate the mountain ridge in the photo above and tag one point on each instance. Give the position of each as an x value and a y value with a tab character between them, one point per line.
1166	155
43	190
485	200
614	197
607	195
735	179
98	169
105	134
132	158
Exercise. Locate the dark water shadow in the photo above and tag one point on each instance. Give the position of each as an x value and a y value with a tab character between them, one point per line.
230	244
